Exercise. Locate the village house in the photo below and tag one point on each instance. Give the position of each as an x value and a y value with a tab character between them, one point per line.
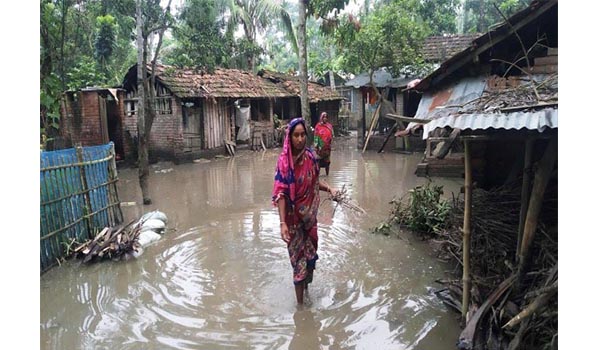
197	113
94	116
363	101
489	114
489	92
321	98
196	110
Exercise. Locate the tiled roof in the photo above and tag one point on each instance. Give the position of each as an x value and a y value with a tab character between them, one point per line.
440	48
316	91
188	82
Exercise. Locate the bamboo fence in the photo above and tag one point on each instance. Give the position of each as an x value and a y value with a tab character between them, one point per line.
78	197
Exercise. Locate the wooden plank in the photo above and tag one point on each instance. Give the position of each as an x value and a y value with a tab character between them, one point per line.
444	147
539	105
548	60
402	118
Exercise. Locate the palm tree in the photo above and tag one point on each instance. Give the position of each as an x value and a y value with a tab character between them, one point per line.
254	16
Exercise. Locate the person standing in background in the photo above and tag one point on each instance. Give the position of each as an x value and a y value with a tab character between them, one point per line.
323	140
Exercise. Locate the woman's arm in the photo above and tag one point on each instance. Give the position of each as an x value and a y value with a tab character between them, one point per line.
324	186
285	233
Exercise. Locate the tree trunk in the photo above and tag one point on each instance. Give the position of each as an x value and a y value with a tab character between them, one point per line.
143	172
331	75
480	24
303	67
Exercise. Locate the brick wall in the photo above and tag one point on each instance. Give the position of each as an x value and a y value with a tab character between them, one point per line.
166	136
82	118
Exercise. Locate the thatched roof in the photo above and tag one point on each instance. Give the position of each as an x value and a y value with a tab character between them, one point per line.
316	92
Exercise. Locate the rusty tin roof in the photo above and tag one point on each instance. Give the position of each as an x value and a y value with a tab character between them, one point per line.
479	103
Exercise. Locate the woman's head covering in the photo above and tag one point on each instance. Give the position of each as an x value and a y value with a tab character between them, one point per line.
323	115
284	173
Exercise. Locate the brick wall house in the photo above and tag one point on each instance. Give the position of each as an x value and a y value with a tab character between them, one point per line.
94	116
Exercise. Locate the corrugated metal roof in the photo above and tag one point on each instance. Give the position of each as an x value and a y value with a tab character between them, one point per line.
456	107
534	120
381	78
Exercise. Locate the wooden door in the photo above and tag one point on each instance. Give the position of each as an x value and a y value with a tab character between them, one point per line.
192	128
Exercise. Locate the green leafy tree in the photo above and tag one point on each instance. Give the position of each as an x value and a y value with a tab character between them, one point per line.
440	15
254	16
200	37
104	43
319	9
480	15
72	35
151	19
390	36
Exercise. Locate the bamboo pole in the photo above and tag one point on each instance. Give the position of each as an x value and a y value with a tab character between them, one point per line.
467	234
392	130
525	193
542	176
114	176
373	121
86	195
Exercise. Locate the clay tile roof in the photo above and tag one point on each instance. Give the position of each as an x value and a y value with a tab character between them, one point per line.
189	82
440	48
316	92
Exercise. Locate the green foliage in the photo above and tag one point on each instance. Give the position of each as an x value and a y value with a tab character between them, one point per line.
84	74
426	212
480	15
440	15
390	36
324	8
200	38
105	38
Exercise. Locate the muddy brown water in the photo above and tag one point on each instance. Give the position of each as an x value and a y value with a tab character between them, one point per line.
220	278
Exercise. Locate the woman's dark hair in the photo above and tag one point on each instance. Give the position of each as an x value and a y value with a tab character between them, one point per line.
293	123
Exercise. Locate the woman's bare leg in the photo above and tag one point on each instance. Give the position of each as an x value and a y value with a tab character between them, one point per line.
300	292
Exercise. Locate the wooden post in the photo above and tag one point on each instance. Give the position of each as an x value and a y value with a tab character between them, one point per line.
85	190
542	176
467	234
525	191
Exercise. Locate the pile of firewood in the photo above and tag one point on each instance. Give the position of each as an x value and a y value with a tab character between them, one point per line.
114	243
527	94
505	313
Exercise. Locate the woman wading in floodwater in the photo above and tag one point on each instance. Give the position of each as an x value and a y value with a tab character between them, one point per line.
296	195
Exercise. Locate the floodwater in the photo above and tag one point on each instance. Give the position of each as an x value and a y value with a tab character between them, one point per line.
220	278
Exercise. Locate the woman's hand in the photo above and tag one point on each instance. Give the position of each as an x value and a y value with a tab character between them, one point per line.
285	232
